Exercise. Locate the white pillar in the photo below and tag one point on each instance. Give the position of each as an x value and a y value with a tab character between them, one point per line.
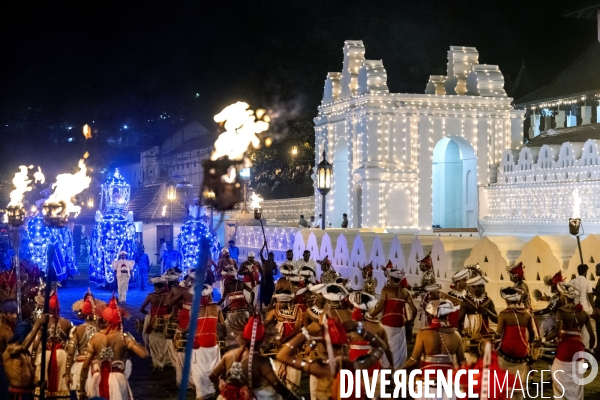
535	124
571	121
560	119
586	115
598	108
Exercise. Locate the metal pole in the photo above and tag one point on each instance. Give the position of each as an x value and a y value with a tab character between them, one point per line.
17	245
579	246
198	286
245	209
265	237
49	264
323	212
172	227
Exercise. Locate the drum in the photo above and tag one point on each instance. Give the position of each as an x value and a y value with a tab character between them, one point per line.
170	329
180	344
139	325
535	350
159	323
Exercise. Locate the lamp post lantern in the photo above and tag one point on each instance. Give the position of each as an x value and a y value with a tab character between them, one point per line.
171	196
324	173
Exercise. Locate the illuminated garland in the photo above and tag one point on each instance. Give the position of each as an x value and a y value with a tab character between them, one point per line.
189	239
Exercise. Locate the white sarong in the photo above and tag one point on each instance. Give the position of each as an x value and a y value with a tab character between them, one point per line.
61	360
397	343
204	360
118	387
266	393
288	375
177	361
158	350
76	375
123	280
571	391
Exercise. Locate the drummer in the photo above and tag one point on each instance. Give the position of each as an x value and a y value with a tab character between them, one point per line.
236	304
154	323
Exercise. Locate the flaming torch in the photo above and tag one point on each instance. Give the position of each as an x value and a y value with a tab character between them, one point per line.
15	215
575	222
256	206
222	190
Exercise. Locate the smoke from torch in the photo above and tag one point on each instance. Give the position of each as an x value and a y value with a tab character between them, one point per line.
68	186
576	204
241	127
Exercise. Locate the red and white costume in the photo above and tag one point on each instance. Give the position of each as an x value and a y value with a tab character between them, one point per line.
393	320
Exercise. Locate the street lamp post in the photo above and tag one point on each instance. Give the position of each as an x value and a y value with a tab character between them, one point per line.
324	171
245	175
171	196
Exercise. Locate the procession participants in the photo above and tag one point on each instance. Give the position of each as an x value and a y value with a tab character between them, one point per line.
330	336
313	313
158	310
123	268
8	319
308	275
237	306
289	262
283	283
328	275
243	373
458	293
206	353
548	324
433	292
362	303
393	301
289	321
438	346
107	355
181	294
17	360
56	357
306	261
252	272
517	276
335	306
226	262
570	319
586	295
80	336
367	274
267	284
517	331
477	310
428	277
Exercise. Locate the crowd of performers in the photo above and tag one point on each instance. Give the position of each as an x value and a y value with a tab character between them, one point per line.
257	345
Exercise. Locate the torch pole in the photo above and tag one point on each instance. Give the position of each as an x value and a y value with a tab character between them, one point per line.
17	245
265	237
198	286
579	246
49	264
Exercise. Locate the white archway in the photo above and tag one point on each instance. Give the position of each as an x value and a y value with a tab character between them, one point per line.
454	184
340	183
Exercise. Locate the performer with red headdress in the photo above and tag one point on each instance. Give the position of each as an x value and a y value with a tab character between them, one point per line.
154	323
367	274
107	357
56	356
80	337
206	352
394	299
428	277
547	325
328	275
332	344
244	374
570	320
437	346
517	276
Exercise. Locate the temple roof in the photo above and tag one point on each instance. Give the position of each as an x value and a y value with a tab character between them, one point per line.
573	134
587	9
522	85
581	77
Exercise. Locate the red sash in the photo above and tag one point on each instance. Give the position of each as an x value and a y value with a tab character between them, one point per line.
358	349
394	313
53	373
206	334
568	346
453	318
237	300
105	371
158	311
514	341
184	316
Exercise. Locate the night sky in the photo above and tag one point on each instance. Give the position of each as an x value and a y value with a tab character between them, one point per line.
154	66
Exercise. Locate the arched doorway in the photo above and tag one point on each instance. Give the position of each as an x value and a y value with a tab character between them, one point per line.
454	184
340	183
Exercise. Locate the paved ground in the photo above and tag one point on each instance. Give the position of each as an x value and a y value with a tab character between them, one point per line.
161	386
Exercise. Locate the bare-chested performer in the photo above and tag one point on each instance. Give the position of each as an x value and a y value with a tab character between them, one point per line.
517	276
56	357
154	323
80	336
8	318
107	356
237	298
394	299
18	362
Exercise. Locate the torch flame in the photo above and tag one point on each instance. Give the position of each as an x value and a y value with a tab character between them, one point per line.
68	186
576	204
87	131
256	200
38	176
241	127
21	182
230	177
